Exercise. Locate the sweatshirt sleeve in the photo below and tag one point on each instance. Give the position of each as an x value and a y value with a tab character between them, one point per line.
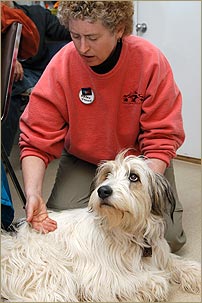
161	120
54	29
44	122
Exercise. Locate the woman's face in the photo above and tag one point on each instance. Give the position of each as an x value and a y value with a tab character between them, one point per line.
93	41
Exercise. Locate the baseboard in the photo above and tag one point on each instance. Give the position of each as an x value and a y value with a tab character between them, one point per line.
188	159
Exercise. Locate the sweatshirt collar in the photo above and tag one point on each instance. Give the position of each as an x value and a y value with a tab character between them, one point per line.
110	62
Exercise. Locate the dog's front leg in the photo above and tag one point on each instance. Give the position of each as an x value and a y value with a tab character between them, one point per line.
186	273
152	287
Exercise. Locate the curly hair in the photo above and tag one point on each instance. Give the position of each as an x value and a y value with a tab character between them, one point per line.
110	13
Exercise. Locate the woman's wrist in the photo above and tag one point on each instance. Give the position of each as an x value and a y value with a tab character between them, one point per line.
157	165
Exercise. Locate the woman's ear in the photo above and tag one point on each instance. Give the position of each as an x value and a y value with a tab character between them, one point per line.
120	31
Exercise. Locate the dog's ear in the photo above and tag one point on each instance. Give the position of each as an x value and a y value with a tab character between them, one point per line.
163	199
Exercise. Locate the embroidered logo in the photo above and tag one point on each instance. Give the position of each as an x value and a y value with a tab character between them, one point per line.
133	98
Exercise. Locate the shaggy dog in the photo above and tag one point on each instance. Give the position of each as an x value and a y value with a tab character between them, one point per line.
113	251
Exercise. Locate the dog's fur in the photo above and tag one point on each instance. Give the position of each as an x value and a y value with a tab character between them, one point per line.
98	254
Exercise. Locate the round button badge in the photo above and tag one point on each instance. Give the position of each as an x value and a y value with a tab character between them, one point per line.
86	95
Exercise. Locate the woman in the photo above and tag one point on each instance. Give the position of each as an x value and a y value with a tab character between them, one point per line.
105	91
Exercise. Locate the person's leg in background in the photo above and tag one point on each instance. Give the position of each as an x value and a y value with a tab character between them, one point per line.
17	104
7	210
10	125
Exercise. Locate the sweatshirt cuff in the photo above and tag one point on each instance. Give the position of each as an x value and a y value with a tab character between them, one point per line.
161	156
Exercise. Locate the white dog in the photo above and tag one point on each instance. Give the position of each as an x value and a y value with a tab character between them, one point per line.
113	251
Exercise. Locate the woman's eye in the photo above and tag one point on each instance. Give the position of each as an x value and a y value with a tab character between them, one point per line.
74	36
133	177
92	38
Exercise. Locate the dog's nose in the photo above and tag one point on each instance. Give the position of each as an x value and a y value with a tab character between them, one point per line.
104	191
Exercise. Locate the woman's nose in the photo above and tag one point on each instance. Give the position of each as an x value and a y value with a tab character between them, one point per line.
84	46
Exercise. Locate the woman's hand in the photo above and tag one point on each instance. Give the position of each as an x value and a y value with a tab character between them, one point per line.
33	169
37	215
19	73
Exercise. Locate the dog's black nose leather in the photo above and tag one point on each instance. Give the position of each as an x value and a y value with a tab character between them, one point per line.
104	191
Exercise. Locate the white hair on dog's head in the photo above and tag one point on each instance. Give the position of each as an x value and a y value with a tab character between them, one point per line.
128	193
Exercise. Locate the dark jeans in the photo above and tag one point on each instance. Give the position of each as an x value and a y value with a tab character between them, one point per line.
17	104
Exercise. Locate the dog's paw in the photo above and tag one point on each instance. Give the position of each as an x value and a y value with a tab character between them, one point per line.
188	276
191	279
155	290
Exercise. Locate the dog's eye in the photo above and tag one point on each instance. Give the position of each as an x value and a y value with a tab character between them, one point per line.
107	175
133	177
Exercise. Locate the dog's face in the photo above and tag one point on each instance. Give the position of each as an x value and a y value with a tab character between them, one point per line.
127	192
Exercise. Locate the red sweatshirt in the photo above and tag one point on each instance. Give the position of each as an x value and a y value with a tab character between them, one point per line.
94	116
